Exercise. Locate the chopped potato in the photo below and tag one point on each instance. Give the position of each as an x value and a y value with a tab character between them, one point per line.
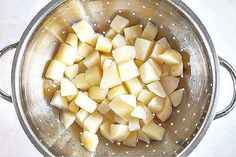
154	131
145	96
134	124
119	132
92	59
105	131
119	23
93	122
133	86
119	41
81	116
116	91
59	101
104	44
171	57
97	94
128	70
150	31
93	75
83	50
67	118
81	82
143	48
156	104
157	88
89	140
169	84
55	70
66	54
103	108
83	30
86	103
133	32
111	33
67	87
131	140
124	54
166	111
71	71
176	97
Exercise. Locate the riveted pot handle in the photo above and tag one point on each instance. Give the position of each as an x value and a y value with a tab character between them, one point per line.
3	94
232	104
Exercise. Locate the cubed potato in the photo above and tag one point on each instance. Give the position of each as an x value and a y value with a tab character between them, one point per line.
110	115
55	70
81	116
93	75
149	115
171	57
71	71
131	140
143	137
72	40
139	112
128	70
83	30
49	88
156	88
164	75
82	68
133	86
67	118
89	140
169	84
145	96
107	64
81	82
119	41
176	69
133	32
67	87
110	78
73	107
92	39
154	131
119	120
105	131
116	91
105	56
93	122
176	97
86	103
124	54
66	54
150	31
97	94
143	48
104	44
92	59
119	132
138	62
134	124
129	99
59	101
156	104
83	50
103	108
166	111
119	23
111	33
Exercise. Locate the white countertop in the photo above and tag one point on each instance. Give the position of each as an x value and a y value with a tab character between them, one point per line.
219	17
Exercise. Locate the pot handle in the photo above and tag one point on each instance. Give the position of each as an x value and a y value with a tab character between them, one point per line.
232	104
3	94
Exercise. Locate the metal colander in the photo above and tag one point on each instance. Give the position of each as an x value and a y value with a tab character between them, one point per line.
188	122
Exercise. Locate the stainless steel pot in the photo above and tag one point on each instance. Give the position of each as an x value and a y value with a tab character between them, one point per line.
188	123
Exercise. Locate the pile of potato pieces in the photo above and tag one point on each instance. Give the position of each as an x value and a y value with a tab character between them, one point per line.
116	83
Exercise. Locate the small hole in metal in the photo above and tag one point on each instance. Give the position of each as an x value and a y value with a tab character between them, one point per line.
176	131
174	38
109	21
101	13
166	142
176	142
118	143
149	19
171	123
107	144
113	153
157	4
186	129
108	2
177	111
194	114
126	152
119	11
153	150
183	119
188	105
173	24
128	3
144	6
133	13
147	145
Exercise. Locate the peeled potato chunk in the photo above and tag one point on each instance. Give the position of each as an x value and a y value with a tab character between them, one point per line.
139	112
59	101
176	97
154	131
149	115
156	104
134	124
55	70
166	111
116	91
93	122
71	71
119	23
107	64
73	107
119	132
93	75
83	50
97	94
104	44
138	62
171	57
111	33
83	30
110	115
143	48
145	96
92	59
128	70
72	40
133	86
81	116
86	103
133	32
82	68
89	140
176	69
67	118
157	89
141	136
129	99
103	108
66	54
124	54
119	41
105	56
119	120
81	82
67	87
92	39
105	131
131	140
169	84
150	31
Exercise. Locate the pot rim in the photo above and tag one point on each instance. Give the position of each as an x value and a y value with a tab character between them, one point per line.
42	14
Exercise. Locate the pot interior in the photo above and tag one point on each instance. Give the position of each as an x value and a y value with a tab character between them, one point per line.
185	121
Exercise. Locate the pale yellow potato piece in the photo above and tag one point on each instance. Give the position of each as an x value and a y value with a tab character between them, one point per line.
73	107
83	50
67	87
119	120
133	32
164	75
138	62
105	56
81	82
156	88
92	39
124	54
83	30
110	115
165	68
176	69
134	124
59	101
71	71
93	122
104	107
119	132
97	94
105	131
71	97
149	115
81	116
128	99
128	70
55	70
119	23
93	75
66	54
119	41
131	140
145	96
67	118
82	68
166	111
176	97
171	57
150	31
116	91
110	33
143	48
72	40
156	104
169	84
133	86
154	131
139	112
107	64
86	103
92	59
104	44
89	140
141	136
